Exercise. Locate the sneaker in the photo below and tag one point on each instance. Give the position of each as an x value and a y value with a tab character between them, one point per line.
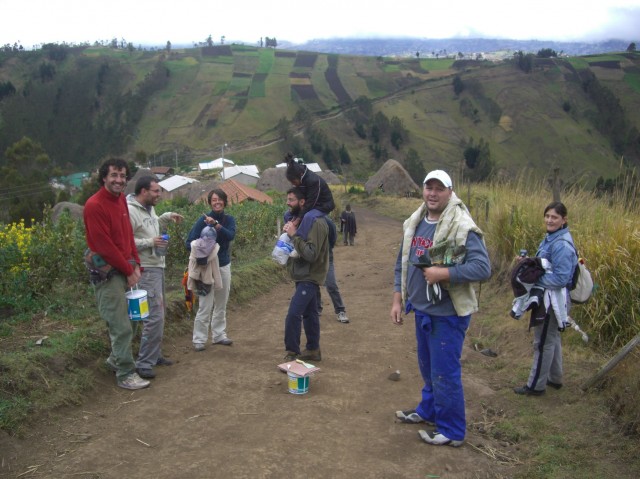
438	439
311	355
146	373
554	385
224	342
133	381
342	317
199	347
291	356
164	362
110	365
411	417
526	391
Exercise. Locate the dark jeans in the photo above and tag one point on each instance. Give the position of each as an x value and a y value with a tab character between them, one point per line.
332	288
303	311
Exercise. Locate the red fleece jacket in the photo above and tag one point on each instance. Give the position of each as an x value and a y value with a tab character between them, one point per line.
108	230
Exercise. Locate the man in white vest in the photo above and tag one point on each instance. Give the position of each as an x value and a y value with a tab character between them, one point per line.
441	254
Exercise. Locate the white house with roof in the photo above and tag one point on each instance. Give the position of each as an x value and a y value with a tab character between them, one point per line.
245	174
215	164
315	167
173	184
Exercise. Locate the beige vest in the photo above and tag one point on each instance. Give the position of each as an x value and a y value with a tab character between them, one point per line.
453	226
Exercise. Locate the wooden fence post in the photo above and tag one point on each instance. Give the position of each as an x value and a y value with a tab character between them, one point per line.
612	363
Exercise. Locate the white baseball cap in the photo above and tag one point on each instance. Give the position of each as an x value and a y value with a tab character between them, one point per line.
441	176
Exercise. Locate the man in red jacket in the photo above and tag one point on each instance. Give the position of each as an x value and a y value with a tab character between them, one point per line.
113	251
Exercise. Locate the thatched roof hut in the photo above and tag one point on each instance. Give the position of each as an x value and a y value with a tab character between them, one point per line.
392	179
131	184
330	177
273	179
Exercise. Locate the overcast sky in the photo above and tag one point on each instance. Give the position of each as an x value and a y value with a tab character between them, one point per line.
154	22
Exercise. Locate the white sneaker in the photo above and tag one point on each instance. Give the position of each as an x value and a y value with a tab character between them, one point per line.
438	439
133	381
342	317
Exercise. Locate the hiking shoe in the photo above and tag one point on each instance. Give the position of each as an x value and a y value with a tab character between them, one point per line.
527	391
554	385
111	365
146	373
291	356
436	438
311	355
224	342
133	381
411	417
164	362
199	347
342	317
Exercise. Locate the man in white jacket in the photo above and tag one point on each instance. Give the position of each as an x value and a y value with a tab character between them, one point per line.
147	233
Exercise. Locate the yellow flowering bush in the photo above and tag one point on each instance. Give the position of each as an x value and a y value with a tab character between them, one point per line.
15	239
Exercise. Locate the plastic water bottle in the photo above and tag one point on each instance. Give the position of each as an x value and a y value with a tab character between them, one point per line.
282	249
162	250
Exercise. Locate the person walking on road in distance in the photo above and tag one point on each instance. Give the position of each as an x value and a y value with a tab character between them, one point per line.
443	299
114	265
294	195
212	308
308	270
348	225
558	249
147	233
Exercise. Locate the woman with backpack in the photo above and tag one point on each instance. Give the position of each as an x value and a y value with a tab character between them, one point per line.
558	249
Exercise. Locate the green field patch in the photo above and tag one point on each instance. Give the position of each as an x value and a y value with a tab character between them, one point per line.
633	80
246	63
242	75
578	63
392	67
266	61
177	66
258	87
220	88
436	64
240	85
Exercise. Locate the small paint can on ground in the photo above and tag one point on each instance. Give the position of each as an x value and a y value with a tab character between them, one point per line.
298	384
138	304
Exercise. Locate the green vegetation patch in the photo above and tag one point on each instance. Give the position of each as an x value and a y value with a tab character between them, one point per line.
177	66
266	61
633	80
258	88
246	63
436	64
240	84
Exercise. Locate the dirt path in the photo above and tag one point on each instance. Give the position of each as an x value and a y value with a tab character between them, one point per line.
226	412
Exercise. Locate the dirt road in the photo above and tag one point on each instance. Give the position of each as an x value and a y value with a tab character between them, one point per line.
227	412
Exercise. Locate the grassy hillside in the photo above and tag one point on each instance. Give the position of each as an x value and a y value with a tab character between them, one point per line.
182	106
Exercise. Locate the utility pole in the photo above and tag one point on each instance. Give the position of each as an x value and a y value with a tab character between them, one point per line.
223	145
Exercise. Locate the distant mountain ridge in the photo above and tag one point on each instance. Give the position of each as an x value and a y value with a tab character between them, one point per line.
425	46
